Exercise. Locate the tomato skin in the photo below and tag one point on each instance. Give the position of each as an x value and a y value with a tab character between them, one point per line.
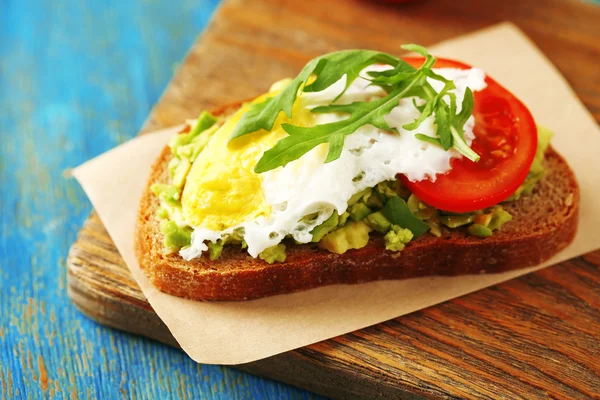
505	139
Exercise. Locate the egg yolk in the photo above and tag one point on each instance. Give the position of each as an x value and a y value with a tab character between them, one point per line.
222	190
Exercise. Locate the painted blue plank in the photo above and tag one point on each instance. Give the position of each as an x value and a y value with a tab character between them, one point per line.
78	77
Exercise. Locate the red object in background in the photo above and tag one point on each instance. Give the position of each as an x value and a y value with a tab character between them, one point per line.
395	1
506	141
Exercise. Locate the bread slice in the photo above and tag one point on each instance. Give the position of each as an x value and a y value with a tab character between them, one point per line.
543	223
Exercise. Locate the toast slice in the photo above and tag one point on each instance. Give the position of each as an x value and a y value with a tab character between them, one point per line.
543	223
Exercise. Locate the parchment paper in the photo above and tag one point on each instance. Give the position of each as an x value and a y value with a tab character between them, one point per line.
240	332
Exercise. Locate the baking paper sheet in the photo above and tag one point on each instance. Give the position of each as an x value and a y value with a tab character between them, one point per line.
240	332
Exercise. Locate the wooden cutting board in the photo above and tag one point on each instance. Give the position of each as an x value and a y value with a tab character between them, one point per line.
533	337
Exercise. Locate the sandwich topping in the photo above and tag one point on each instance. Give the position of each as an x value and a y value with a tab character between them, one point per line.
359	143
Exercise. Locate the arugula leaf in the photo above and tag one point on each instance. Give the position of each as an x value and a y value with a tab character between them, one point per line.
466	110
393	76
349	63
429	139
450	126
400	81
263	115
328	69
303	139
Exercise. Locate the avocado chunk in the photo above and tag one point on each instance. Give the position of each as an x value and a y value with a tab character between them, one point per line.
482	219
544	137
397	237
192	149
168	193
319	231
358	211
378	222
343	218
189	145
273	253
162	213
434	225
420	209
356	197
172	167
204	122
175	236
454	221
479	230
387	189
353	235
536	171
373	199
180	173
499	217
214	250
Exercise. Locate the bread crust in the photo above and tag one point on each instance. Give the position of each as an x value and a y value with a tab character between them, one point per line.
543	224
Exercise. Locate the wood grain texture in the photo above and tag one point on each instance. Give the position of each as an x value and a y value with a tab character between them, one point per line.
78	77
533	337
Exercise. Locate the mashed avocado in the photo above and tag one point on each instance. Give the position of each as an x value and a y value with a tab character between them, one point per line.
353	235
536	172
184	147
274	253
397	237
388	209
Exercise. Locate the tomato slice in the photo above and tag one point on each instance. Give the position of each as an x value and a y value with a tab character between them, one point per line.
506	141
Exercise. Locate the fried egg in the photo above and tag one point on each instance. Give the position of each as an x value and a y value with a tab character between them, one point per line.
223	194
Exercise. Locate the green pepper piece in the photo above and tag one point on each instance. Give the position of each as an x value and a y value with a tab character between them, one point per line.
397	212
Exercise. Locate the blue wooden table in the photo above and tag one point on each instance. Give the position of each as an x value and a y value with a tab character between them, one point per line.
78	77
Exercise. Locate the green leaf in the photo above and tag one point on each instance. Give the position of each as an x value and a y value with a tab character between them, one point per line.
336	145
290	148
462	147
400	81
443	126
466	110
349	63
396	210
329	68
303	139
263	115
425	112
401	72
418	107
428	139
415	48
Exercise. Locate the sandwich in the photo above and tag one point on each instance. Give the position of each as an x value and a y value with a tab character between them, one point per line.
364	167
